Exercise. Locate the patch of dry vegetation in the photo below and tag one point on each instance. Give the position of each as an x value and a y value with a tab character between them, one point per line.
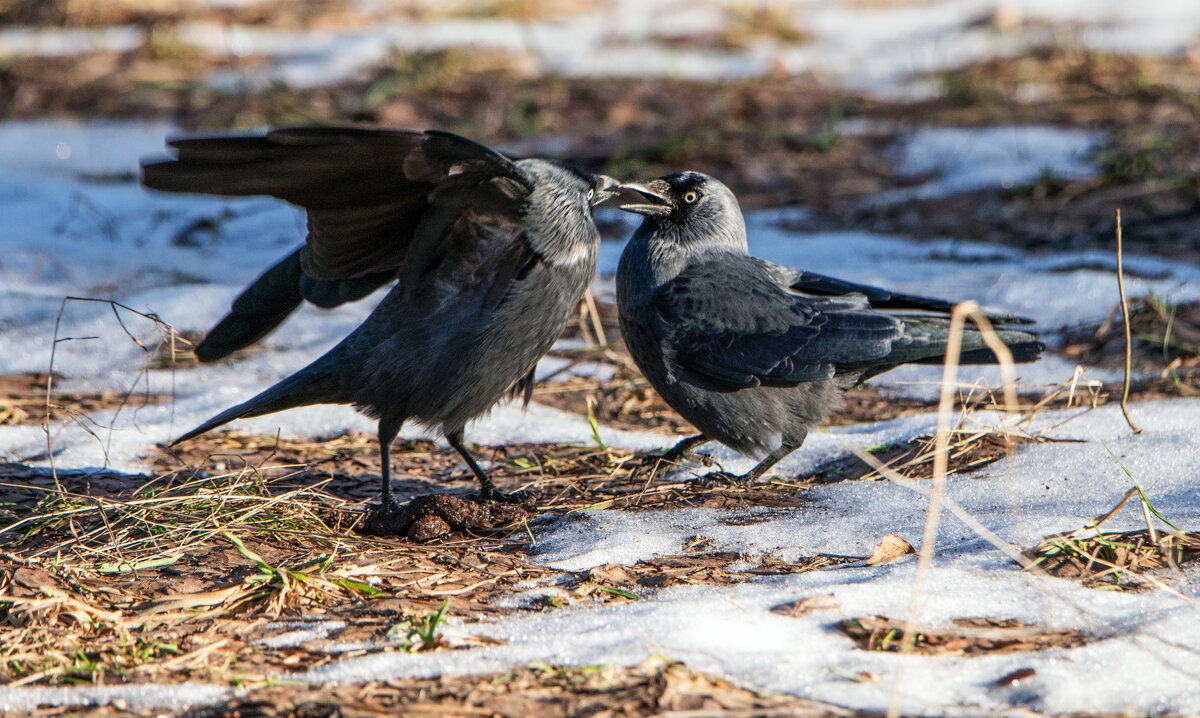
1166	343
24	400
968	636
656	687
969	451
1116	560
111	578
1119	560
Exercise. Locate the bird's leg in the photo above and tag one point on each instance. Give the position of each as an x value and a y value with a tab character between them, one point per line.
759	469
487	490
680	452
384	519
683	451
387	434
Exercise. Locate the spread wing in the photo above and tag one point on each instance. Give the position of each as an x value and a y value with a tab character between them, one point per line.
731	322
380	204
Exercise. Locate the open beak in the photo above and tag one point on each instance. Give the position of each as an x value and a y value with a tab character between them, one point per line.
605	188
659	203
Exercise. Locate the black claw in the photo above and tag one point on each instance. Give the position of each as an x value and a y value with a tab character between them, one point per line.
514	497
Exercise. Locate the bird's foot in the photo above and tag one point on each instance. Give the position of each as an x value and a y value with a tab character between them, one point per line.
715	478
519	498
677	455
655	463
387	519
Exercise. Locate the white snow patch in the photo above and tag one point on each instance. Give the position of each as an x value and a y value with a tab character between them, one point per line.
303	631
178	696
962	159
66	41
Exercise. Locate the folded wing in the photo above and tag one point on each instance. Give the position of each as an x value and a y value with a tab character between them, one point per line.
762	334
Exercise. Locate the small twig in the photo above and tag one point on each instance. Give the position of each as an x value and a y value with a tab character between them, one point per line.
1149	524
49	393
1128	346
597	325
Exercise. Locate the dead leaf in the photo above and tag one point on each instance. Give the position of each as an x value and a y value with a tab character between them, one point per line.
890	548
184	601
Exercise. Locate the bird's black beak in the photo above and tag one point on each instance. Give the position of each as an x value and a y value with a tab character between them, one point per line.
604	188
656	192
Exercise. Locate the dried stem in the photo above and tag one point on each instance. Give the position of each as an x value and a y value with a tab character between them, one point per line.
1128	340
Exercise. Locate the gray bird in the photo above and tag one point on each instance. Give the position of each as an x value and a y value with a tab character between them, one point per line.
756	354
490	256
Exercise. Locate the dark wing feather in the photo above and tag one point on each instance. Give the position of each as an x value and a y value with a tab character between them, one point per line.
271	298
730	321
819	284
367	192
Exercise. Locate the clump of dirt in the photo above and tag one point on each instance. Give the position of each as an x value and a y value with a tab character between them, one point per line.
968	637
436	515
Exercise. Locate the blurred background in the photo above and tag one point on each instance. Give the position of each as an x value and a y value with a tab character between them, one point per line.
999	135
804	103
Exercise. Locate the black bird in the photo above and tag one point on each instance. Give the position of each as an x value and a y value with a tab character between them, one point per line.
490	257
755	354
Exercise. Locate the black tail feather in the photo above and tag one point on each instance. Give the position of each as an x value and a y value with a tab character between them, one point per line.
305	387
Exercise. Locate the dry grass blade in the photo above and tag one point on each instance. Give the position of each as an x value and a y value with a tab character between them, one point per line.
1128	338
941	460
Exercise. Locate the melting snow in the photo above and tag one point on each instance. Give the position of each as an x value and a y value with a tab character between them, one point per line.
969	158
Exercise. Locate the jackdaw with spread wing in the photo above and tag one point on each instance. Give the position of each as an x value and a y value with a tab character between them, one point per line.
755	354
489	255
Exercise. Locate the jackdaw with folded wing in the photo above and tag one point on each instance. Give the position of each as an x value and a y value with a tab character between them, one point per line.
756	354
